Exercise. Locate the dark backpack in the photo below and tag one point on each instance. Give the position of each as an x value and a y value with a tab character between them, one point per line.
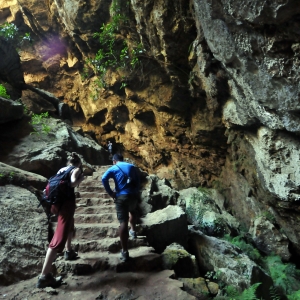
57	189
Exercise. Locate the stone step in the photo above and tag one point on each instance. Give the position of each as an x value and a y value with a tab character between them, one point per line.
94	231
112	245
83	209
94	201
94	194
96	218
91	187
142	259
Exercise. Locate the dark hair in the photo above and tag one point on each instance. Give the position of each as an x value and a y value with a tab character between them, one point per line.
118	157
74	159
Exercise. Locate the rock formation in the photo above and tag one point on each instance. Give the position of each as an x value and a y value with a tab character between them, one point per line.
214	103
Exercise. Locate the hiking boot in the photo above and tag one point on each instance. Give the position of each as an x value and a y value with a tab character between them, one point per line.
124	255
47	281
70	255
132	234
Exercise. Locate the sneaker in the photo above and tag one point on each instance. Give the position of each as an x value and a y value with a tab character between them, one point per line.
132	234
47	281
70	255
124	255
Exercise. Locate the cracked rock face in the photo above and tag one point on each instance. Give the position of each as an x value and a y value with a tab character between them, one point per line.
23	227
210	65
257	44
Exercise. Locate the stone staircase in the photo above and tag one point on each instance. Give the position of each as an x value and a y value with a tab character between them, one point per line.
97	240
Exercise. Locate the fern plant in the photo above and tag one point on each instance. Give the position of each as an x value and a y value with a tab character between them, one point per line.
285	275
231	293
249	294
294	295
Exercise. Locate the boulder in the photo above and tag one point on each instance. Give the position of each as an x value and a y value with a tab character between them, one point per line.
230	265
23	234
202	211
195	286
10	110
164	227
269	239
156	194
176	258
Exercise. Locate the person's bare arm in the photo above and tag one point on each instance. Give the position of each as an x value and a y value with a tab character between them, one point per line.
76	177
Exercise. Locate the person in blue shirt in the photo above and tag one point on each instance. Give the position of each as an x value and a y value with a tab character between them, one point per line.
125	195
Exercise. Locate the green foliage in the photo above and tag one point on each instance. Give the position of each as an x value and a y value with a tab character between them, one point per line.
274	293
212	275
249	294
112	53
40	123
294	295
10	32
270	217
3	93
285	275
231	293
238	241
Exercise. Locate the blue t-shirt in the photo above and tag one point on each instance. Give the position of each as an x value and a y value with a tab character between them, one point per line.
120	179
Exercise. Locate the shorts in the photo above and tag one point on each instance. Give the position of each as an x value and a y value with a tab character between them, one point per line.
124	205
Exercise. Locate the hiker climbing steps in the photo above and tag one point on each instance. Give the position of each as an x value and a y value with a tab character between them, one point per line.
97	239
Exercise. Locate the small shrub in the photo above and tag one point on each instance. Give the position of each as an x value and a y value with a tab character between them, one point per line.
40	123
112	54
10	32
3	92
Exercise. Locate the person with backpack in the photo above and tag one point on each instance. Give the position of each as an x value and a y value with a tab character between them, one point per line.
125	195
64	207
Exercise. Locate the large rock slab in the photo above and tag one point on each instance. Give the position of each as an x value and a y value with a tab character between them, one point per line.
231	266
18	177
207	213
23	234
269	239
166	226
44	153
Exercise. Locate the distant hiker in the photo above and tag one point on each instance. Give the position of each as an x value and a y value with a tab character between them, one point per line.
125	195
109	146
65	224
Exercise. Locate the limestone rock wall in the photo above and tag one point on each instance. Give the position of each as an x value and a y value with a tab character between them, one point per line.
218	103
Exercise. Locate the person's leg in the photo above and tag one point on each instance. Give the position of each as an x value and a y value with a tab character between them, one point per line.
123	214
132	220
50	256
69	240
123	232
